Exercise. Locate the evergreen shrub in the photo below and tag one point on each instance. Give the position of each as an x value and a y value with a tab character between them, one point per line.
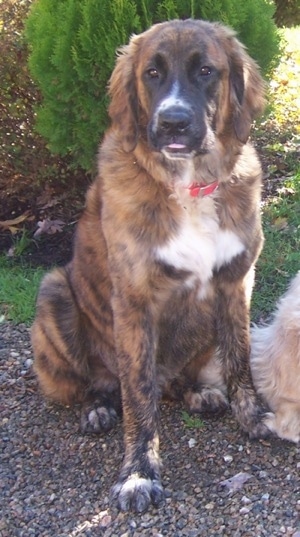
72	52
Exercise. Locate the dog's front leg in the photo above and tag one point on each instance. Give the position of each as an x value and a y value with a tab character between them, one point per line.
234	346
139	481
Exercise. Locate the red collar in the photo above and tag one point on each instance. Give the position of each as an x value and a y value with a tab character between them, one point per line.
197	189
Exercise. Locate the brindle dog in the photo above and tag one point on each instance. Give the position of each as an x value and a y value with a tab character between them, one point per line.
156	298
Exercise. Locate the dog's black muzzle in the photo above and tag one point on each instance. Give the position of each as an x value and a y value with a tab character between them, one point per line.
173	131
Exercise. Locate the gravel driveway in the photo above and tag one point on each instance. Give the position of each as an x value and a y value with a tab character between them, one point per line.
55	482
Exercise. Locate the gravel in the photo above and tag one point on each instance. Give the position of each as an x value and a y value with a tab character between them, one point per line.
55	482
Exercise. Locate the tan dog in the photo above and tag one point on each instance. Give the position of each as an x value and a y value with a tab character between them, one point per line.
275	364
161	275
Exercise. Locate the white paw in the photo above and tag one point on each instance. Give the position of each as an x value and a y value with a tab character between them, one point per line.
136	493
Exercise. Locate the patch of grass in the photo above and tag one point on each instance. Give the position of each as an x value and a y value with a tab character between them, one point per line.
193	422
278	137
22	242
18	290
280	258
284	86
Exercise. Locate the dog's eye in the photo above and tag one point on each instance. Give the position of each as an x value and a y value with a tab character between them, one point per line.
153	73
205	70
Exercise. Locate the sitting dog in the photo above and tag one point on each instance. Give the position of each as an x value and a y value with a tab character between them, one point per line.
275	364
156	298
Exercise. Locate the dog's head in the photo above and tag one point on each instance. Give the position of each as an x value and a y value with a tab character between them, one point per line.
180	85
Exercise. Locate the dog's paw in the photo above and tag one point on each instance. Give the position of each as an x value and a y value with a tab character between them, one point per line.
137	493
250	414
207	400
258	428
97	419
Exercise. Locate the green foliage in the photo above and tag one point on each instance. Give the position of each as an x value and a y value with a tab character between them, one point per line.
18	93
192	422
18	289
22	243
280	258
24	158
284	87
73	45
72	52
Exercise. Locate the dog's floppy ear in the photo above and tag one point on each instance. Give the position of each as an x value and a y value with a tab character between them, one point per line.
247	90
123	108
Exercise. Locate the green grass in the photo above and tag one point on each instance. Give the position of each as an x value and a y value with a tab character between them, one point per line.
190	421
280	258
279	137
18	289
283	89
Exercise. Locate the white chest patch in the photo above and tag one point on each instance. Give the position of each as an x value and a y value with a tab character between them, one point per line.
200	246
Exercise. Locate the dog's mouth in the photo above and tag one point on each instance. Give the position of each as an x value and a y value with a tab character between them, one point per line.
182	146
177	150
182	151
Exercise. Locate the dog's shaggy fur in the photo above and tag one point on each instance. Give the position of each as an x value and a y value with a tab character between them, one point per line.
156	298
275	364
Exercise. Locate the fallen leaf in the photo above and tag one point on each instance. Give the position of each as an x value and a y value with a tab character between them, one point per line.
49	227
11	224
280	223
235	483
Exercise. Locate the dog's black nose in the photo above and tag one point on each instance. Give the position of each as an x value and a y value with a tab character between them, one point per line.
174	120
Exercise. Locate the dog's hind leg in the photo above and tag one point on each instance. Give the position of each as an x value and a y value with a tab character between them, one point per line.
200	385
208	394
234	350
101	414
67	360
55	334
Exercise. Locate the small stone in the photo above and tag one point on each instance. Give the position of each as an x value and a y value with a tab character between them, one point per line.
228	458
180	495
246	500
245	510
105	521
262	474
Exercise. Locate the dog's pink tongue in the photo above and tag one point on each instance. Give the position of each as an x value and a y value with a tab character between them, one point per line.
176	146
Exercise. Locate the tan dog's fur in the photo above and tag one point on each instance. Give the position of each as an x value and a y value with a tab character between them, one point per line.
156	297
275	364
